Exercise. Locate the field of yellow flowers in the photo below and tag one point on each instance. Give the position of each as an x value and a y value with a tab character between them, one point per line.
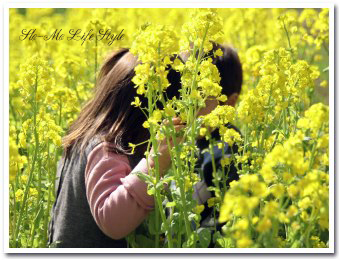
282	196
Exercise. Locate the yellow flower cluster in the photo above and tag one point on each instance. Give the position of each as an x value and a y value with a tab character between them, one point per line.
281	81
63	102
316	29
154	45
290	153
155	42
16	160
36	79
230	135
316	117
220	116
287	174
190	181
202	24
209	79
32	193
46	128
237	202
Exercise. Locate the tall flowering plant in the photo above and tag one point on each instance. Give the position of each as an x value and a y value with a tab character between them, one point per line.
200	81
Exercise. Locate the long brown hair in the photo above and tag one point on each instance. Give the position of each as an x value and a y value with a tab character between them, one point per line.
109	115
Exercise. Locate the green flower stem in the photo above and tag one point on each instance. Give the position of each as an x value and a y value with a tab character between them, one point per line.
48	198
40	197
36	148
285	127
182	189
245	139
285	204
193	138
311	162
180	181
184	208
14	214
157	193
158	78
305	236
288	38
199	58
34	222
155	158
215	221
74	86
179	235
325	47
178	176
274	234
266	117
192	123
39	179
13	113
224	177
211	146
165	222
60	109
154	145
159	201
174	171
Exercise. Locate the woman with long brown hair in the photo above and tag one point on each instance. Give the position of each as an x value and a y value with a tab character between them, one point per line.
97	201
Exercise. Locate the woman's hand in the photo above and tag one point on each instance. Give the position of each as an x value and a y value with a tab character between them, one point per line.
164	158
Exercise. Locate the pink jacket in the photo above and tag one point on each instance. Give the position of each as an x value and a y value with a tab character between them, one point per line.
118	199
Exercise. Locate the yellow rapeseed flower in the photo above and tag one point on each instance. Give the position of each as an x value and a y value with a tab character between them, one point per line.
19	195
264	225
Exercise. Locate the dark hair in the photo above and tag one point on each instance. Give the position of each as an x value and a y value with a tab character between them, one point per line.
228	65
109	114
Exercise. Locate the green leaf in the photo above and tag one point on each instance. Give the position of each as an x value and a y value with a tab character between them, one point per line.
170	204
190	242
160	185
168	179
204	236
151	223
163	227
144	177
36	243
193	217
151	191
23	241
145	25
131	239
224	242
38	216
54	244
144	241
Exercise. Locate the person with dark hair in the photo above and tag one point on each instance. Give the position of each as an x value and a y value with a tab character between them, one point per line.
230	69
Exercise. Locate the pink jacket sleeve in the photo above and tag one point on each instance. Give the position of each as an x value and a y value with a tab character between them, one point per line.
118	199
